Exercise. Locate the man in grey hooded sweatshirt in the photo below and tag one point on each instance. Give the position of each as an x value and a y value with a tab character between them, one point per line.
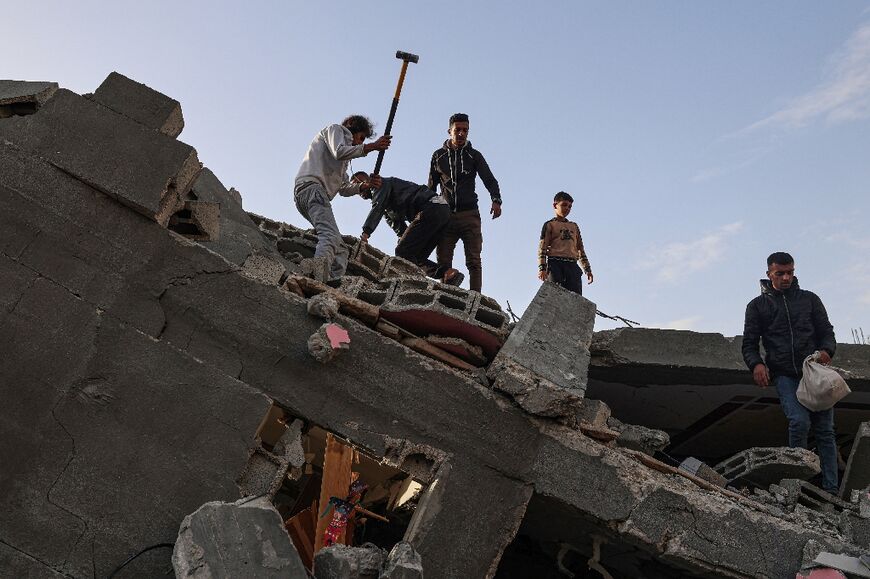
323	175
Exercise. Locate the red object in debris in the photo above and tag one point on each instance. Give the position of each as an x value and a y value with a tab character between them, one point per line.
337	335
822	573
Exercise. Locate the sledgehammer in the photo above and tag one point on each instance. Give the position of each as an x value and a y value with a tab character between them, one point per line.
405	57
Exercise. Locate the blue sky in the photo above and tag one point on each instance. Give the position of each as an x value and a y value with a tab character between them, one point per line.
695	137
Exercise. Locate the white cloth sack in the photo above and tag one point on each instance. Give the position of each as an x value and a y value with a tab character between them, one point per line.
821	387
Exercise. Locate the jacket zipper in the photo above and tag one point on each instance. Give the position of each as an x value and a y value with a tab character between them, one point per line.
791	333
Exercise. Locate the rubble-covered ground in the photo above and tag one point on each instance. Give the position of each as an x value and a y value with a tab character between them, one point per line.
171	375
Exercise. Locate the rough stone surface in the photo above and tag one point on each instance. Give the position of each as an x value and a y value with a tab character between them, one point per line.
594	412
857	475
21	97
142	104
241	539
765	466
403	563
240	237
326	343
703	471
264	269
646	440
343	562
142	169
534	394
545	371
323	306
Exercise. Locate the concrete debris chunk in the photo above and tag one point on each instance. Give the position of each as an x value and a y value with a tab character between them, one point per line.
796	492
323	306
594	413
266	470
21	97
144	105
343	562
264	269
403	563
327	342
703	471
144	170
545	371
641	438
197	220
241	539
532	393
763	466
857	475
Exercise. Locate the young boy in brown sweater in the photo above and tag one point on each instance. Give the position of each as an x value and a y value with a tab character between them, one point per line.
560	248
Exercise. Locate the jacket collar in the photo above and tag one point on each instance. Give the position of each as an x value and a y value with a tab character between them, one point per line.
467	145
767	288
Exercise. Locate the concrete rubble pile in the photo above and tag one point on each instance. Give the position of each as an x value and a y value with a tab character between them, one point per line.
151	326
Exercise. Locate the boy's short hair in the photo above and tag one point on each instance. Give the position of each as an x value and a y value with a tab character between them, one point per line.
562	196
361	173
359	124
458	118
779	258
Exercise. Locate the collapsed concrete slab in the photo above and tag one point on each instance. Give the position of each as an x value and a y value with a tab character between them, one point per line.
144	105
138	369
21	97
403	562
545	371
142	169
765	466
241	539
857	475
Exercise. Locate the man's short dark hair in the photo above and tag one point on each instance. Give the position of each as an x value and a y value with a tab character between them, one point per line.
458	118
366	175
359	124
562	196
779	258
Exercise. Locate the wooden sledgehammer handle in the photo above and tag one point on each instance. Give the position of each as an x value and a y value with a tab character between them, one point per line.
406	58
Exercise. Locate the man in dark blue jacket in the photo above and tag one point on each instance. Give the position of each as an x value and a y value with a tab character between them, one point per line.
792	324
417	214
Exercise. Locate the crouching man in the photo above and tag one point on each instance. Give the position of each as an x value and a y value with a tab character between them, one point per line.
417	214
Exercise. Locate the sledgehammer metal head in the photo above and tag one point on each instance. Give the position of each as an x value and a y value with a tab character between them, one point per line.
407	56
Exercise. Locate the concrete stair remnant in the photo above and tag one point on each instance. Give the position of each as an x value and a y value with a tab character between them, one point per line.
143	104
145	170
763	466
857	475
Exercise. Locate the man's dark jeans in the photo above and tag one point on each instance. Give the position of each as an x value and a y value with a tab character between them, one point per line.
464	225
422	236
567	274
799	421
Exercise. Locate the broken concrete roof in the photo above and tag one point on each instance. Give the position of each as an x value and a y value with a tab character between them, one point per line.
138	365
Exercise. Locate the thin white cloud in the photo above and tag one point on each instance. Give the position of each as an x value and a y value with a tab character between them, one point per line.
677	260
690	323
843	96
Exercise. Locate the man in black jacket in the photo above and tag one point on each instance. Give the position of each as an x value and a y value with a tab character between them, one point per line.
792	324
401	202
455	166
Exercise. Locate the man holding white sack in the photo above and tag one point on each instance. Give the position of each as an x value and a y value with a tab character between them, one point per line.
792	324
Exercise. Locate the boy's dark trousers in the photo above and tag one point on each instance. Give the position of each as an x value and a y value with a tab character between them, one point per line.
423	235
566	273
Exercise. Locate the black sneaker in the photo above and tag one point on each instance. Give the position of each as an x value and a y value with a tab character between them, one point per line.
453	277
